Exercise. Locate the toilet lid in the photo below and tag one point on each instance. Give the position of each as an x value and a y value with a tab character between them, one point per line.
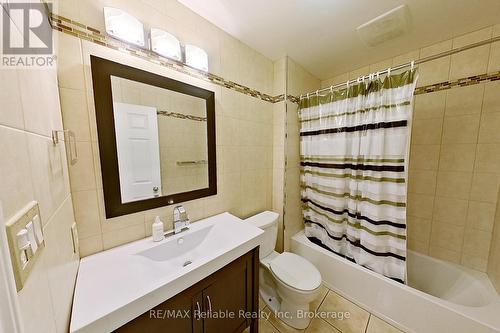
296	271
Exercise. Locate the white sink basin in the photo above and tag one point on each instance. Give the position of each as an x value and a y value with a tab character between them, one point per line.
184	248
117	285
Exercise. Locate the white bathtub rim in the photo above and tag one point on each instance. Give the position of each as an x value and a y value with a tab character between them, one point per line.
486	287
367	308
458	309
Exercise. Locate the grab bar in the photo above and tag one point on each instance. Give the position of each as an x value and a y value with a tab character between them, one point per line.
184	163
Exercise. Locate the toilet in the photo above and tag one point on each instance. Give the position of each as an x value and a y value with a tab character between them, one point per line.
288	283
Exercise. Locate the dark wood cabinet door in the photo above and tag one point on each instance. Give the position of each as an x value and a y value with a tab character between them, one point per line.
175	315
227	296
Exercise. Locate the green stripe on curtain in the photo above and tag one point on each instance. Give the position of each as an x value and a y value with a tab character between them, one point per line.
362	88
354	177
375	108
353	197
356	225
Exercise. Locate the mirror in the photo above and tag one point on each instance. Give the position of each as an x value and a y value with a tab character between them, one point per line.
161	139
156	138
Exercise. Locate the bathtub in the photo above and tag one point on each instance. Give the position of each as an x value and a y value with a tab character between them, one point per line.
441	297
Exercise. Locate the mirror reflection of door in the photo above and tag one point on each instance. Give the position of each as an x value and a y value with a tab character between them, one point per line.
161	140
138	151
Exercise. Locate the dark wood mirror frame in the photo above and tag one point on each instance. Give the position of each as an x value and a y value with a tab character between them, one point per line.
102	70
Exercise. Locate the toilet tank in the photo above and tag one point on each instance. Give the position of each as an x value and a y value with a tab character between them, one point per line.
267	221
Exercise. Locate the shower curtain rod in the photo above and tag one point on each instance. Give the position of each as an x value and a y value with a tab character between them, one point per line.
409	64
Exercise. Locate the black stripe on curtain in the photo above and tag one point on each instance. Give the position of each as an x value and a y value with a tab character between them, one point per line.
358	128
357	243
320	244
393	168
356	215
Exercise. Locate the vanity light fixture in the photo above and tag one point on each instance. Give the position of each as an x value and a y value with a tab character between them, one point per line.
196	57
124	26
165	44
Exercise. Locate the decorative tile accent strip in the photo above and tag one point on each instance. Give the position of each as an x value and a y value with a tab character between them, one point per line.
468	81
281	98
180	115
76	29
293	99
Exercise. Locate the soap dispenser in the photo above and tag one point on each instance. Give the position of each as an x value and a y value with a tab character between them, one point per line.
158	233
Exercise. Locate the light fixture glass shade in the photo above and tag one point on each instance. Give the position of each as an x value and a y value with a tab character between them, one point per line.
165	44
196	57
124	26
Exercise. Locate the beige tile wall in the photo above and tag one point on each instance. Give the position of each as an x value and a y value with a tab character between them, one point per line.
279	112
32	168
299	81
454	171
244	124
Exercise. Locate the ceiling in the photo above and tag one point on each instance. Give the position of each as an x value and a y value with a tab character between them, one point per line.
321	34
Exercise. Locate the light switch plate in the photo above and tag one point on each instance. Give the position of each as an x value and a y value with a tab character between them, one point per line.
14	225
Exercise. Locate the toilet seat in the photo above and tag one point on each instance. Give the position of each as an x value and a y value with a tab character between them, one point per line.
295	271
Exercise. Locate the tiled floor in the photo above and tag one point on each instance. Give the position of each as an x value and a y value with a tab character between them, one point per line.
360	320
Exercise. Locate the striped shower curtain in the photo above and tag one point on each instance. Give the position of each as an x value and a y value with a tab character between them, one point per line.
354	149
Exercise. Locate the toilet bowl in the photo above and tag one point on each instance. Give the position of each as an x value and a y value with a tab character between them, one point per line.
288	282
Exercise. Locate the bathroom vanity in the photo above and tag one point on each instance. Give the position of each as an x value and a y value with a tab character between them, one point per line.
230	290
185	283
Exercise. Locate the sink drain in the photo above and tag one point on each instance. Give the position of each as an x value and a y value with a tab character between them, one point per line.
187	263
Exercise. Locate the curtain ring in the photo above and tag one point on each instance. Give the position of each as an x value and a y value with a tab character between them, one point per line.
412	64
389	71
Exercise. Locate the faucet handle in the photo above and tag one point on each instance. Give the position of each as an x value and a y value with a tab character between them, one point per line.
180	213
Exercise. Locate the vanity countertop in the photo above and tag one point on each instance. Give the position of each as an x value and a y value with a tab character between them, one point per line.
117	285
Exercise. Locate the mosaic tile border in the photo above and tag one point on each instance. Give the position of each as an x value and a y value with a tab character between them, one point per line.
291	98
180	115
76	29
464	82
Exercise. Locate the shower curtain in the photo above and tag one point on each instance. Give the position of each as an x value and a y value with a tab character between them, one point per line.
354	144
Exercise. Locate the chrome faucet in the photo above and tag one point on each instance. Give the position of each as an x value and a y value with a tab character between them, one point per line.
181	219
